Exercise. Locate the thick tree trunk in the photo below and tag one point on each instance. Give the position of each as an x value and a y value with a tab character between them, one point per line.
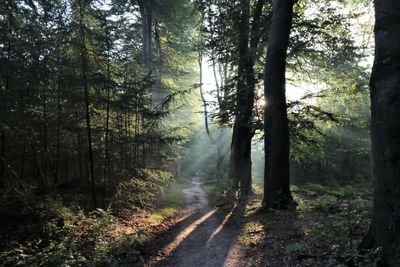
240	160
249	37
276	129
385	134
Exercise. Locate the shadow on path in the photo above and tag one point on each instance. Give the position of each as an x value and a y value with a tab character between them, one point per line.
205	237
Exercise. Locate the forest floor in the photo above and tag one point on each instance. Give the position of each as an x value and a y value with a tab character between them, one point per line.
323	231
189	224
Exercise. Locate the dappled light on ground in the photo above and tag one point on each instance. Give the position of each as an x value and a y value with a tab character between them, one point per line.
186	232
221	226
204	238
240	235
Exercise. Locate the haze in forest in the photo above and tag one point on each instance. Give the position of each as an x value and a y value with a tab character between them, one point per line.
199	133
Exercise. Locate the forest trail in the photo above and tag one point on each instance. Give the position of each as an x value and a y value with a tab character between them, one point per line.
203	237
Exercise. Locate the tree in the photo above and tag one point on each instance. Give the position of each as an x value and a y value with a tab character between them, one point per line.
146	17
243	129
276	128
385	138
75	102
82	7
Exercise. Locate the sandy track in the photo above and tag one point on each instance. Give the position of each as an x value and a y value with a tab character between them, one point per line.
202	238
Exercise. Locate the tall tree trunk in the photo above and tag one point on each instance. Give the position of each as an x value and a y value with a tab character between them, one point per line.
249	37
143	143
203	99
22	169
45	145
41	181
2	153
59	85
6	102
220	142
240	160
220	152
58	145
385	137
87	102
107	134
146	17
79	146
157	40
276	129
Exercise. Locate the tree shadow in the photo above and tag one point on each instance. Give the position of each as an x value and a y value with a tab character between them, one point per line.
281	241
205	238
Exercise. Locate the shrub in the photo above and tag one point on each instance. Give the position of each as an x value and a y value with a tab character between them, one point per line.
139	192
61	236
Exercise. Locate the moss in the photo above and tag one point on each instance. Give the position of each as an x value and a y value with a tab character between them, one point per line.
253	227
252	233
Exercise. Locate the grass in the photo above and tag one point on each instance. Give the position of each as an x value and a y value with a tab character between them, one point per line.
173	196
171	201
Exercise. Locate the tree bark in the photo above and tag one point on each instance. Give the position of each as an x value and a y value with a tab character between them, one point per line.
249	37
240	160
2	153
146	17
7	91
385	135
276	129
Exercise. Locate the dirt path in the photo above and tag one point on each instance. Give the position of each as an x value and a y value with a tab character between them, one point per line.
203	237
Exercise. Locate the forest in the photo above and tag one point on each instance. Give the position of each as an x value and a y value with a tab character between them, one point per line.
200	133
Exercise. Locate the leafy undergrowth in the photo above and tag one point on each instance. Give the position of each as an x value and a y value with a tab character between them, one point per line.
324	230
43	231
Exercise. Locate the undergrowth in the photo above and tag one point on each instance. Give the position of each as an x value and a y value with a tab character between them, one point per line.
325	229
41	230
336	219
